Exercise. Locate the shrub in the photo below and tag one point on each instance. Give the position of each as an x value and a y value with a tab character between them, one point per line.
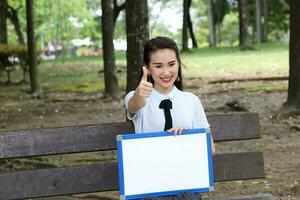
12	56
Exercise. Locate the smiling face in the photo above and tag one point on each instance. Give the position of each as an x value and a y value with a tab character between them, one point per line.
163	68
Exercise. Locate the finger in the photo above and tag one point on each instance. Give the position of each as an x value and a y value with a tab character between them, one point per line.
180	130
147	84
145	74
173	131
143	87
147	89
176	131
146	94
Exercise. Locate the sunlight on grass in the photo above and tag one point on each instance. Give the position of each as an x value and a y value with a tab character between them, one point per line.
86	73
267	87
81	88
76	72
227	61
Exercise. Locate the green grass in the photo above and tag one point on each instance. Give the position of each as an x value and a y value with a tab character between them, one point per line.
76	73
266	87
217	62
120	57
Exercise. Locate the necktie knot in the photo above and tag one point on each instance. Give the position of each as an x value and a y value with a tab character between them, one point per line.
167	105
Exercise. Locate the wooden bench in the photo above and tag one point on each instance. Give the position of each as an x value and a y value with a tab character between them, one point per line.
104	176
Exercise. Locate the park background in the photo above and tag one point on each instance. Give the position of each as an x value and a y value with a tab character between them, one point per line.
233	64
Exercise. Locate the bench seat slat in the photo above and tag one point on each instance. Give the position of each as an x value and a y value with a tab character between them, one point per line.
104	177
58	181
239	166
87	138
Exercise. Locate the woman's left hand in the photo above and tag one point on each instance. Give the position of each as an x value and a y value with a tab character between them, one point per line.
176	131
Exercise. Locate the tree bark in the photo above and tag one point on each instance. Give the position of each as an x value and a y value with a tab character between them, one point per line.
265	15
3	22
294	72
33	70
12	14
190	26
137	32
219	11
185	26
211	24
110	72
245	41
117	10
258	21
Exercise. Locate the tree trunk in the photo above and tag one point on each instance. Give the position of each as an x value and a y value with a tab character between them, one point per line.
258	21
190	26
3	23
245	41
137	32
117	10
185	26
12	14
265	20
62	36
218	33
294	76
33	70
110	72
211	24
219	11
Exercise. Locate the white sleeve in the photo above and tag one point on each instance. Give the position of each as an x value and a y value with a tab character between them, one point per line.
126	102
200	120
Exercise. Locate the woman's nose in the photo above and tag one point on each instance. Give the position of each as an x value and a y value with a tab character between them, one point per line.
166	71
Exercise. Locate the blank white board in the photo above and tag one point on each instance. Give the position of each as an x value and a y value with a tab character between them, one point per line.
158	164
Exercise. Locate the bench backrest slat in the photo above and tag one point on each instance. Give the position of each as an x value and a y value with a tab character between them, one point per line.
49	141
235	126
104	177
87	138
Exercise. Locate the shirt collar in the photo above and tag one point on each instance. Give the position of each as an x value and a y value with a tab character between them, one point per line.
160	96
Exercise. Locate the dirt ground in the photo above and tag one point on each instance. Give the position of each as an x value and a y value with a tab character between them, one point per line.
280	140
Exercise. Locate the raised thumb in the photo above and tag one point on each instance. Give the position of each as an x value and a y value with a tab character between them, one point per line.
145	73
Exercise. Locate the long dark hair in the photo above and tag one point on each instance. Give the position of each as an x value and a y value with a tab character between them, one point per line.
158	43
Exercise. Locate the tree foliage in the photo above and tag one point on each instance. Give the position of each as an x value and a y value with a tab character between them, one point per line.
278	17
70	19
55	19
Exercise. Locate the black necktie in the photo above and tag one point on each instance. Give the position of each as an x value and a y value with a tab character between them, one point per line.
167	105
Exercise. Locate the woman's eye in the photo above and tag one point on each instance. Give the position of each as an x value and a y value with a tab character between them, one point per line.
157	66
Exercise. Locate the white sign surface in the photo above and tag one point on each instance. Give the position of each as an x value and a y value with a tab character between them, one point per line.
154	164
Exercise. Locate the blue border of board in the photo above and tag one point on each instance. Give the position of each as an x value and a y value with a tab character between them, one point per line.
162	134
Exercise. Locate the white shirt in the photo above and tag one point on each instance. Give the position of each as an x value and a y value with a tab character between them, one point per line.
187	112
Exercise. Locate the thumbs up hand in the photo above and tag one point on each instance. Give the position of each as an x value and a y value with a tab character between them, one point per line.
141	93
145	88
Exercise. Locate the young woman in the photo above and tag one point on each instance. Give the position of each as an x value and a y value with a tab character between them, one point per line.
158	103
